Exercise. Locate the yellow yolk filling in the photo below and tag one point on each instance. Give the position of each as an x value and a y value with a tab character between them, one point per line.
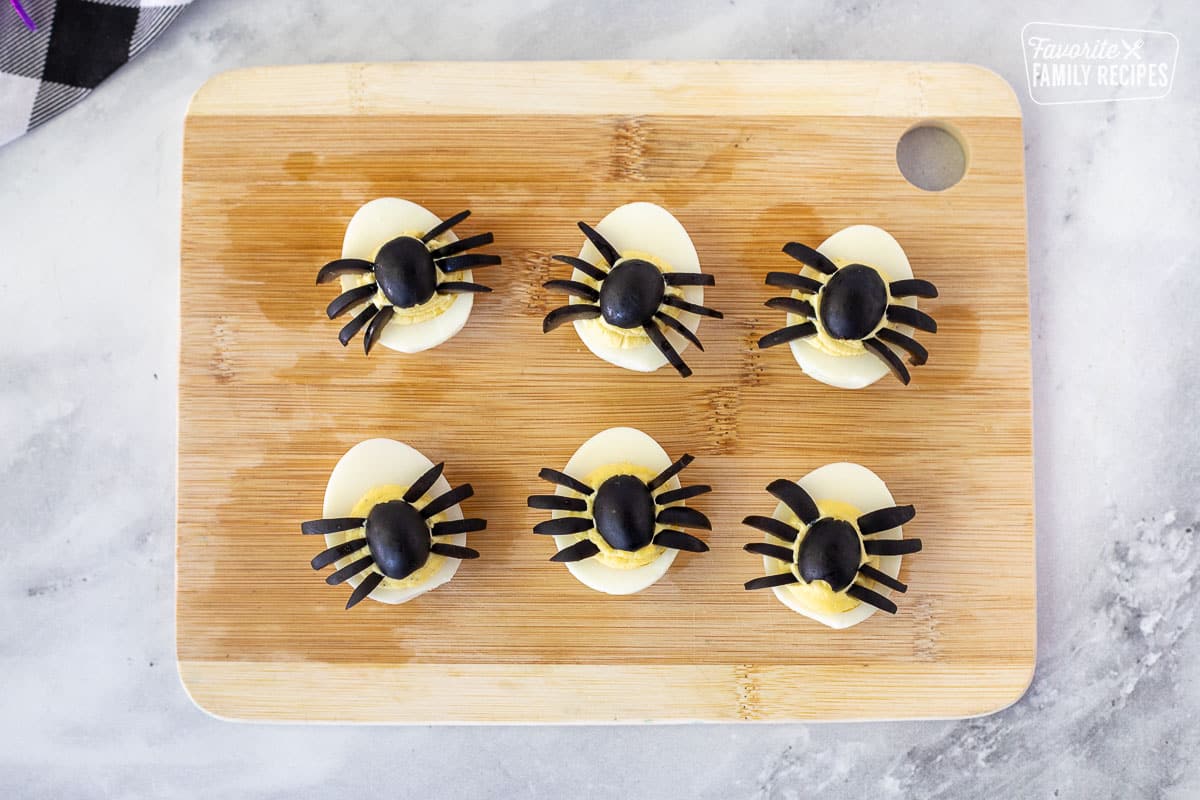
608	556
823	341
433	307
383	494
819	596
626	338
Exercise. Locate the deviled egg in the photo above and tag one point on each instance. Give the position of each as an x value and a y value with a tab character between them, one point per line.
406	275
617	508
852	306
636	292
834	545
392	525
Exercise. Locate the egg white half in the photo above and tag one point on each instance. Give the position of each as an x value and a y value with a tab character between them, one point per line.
378	462
375	224
652	229
866	491
614	446
860	244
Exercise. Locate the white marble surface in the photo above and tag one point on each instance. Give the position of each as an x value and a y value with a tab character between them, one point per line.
90	704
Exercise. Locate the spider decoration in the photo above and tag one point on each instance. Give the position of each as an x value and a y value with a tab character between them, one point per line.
405	272
624	510
398	536
632	294
831	549
852	303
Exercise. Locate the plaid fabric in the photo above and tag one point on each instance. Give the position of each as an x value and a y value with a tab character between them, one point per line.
77	44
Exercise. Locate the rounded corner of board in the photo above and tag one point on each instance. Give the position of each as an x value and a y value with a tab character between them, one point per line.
1010	694
990	81
195	689
216	88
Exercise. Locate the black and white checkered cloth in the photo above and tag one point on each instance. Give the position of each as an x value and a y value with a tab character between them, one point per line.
77	44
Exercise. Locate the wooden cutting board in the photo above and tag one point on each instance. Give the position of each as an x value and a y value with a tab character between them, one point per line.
748	155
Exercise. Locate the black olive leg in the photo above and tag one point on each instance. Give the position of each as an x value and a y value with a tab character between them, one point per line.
671	471
688	279
563	526
678	327
602	245
684	305
893	362
563	479
468	261
455	526
557	502
348	300
450	498
767	581
453	550
337	552
913	287
792	305
903	315
884	519
445	225
424	483
871	598
331	525
569	313
573	288
350	570
790	333
678	540
664	346
866	570
683	517
810	257
780	530
586	267
770	551
355	325
917	354
462	245
461	287
796	498
891	547
576	552
375	329
799	283
364	589
344	266
676	495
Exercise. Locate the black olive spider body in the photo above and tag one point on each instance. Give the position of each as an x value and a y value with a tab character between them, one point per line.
625	512
632	295
405	272
830	549
853	303
397	536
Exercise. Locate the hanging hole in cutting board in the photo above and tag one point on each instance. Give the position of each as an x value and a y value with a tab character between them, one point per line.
932	156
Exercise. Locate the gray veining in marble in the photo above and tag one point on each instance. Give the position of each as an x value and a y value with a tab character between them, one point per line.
90	704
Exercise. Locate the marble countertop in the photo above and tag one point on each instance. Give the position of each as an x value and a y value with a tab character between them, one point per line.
92	705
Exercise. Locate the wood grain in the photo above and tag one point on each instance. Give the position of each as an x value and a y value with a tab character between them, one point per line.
747	156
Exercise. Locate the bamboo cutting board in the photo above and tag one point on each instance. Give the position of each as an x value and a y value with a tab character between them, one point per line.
748	156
